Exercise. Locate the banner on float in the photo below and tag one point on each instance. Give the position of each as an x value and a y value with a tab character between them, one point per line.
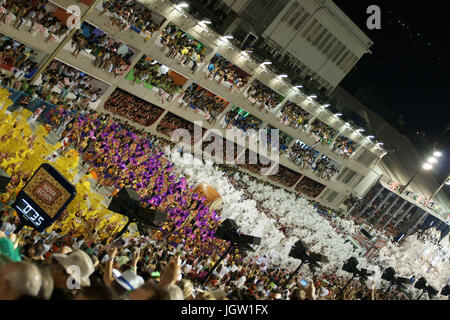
363	240
375	249
43	198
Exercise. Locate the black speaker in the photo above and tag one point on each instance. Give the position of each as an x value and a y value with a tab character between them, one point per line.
432	292
318	257
227	231
389	274
350	265
243	238
421	283
4	181
298	250
148	215
245	247
364	273
230	225
125	202
403	280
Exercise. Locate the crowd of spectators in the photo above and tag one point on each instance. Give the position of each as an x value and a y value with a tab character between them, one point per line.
133	108
172	122
285	176
241	121
302	155
68	80
58	80
110	55
17	56
343	146
182	47
38	267
260	93
130	12
325	169
294	116
209	143
281	144
151	72
254	163
144	267
305	157
227	72
324	132
309	187
200	99
35	15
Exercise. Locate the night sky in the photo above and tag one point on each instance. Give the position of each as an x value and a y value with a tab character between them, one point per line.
408	69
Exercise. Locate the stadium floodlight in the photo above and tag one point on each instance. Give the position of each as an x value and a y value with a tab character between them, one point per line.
182	5
432	160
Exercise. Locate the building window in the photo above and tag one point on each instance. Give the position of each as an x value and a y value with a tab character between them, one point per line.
346	52
320	36
314	33
309	27
289	12
335	48
351	64
294	17
301	20
348	61
339	52
329	44
344	59
325	39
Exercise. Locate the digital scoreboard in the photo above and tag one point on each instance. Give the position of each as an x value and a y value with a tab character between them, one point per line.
44	197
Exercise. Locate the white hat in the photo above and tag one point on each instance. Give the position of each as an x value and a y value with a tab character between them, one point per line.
81	260
128	280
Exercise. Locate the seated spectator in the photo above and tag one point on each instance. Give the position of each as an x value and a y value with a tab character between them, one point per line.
294	116
309	187
241	122
132	108
344	146
285	176
124	13
263	95
227	72
324	132
200	99
178	43
150	72
110	55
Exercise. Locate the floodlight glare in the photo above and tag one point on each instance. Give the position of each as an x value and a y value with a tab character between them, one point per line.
432	160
